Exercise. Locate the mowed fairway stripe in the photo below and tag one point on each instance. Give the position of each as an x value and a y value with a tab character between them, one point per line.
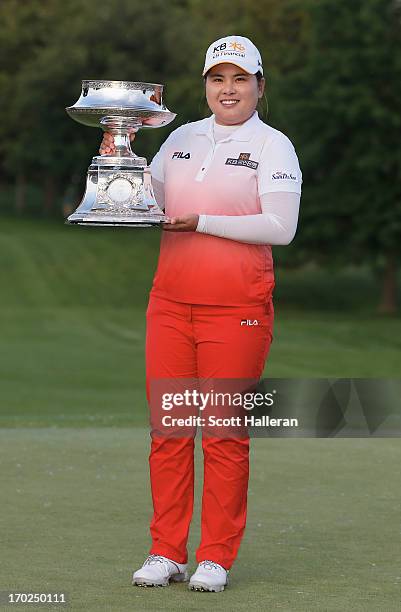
323	523
86	367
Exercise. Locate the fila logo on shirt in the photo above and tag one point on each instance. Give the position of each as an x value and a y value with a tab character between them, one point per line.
249	322
242	160
181	155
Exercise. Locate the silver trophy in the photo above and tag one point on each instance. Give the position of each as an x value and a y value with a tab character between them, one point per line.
119	188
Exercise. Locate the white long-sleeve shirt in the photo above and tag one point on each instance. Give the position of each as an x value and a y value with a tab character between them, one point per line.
245	183
275	225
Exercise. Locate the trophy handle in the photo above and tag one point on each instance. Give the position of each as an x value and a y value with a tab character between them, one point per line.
120	127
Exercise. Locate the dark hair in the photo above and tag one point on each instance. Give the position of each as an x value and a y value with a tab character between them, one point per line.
258	75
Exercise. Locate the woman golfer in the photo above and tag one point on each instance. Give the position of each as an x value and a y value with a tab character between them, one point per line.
230	185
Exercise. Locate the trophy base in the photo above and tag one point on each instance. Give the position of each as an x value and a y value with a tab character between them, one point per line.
131	222
95	224
118	195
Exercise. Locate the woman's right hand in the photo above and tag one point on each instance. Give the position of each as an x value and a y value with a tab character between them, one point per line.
107	146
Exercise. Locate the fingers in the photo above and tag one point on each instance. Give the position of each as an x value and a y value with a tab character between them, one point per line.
107	145
175	224
167	227
187	223
109	138
132	133
103	150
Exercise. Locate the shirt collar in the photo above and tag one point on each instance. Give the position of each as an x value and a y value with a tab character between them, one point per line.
242	134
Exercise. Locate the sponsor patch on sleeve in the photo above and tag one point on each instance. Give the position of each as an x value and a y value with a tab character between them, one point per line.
284	175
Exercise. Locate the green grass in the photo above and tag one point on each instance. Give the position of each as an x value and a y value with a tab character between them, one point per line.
79	367
322	531
72	325
47	264
323	526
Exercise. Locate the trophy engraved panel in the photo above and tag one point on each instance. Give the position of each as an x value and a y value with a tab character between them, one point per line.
119	187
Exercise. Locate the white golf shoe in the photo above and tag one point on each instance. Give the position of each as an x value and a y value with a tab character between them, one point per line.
158	571
209	576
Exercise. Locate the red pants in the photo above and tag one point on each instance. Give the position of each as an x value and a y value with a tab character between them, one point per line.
200	341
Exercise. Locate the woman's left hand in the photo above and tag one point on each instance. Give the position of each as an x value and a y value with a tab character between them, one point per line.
188	223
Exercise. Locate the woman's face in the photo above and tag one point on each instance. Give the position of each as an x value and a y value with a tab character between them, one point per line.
232	94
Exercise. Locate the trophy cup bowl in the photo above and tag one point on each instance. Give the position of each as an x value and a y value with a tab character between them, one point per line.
119	188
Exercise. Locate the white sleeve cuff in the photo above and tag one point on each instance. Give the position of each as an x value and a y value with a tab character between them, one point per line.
202	224
276	224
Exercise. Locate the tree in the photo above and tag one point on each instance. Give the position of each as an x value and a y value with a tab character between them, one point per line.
347	118
53	46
